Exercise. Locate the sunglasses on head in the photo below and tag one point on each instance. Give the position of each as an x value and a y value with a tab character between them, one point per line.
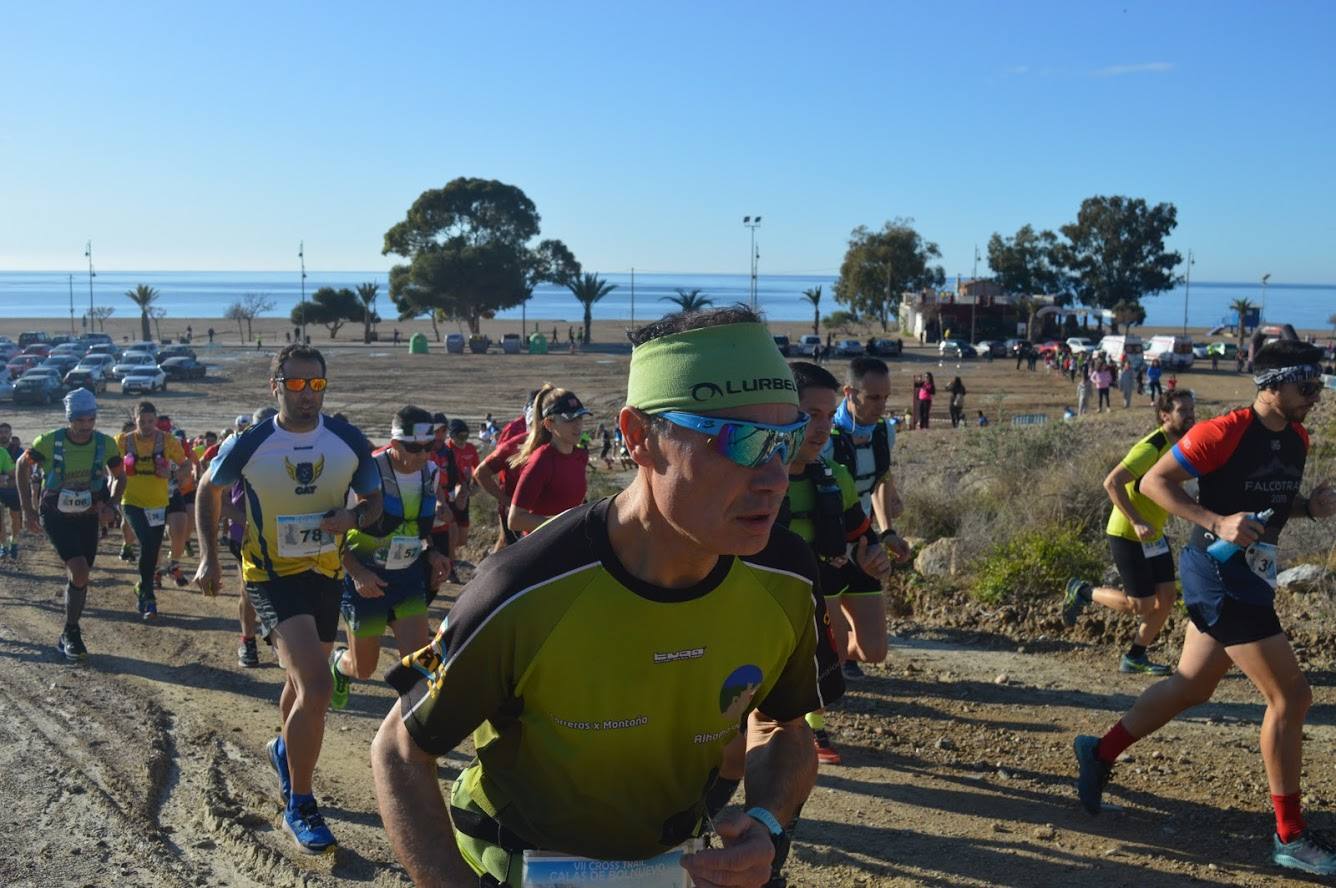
749	444
295	384
414	446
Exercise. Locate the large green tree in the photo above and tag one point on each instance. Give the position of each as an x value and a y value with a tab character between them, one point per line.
330	307
880	265
143	296
1027	263
469	252
1114	252
589	288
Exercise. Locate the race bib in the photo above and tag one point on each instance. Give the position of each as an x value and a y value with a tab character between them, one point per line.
403	551
300	536
155	517
1262	561
552	869
74	502
1156	548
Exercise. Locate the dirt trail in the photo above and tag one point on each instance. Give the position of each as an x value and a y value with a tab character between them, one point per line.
147	766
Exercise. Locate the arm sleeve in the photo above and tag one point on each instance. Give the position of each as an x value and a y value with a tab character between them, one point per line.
227	465
1140	459
174	451
534	479
1208	445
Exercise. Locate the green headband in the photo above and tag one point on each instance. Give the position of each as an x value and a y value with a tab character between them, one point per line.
711	368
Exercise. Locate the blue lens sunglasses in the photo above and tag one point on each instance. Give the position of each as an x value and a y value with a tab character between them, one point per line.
749	444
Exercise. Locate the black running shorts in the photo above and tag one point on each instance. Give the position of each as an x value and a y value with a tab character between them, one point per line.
1140	574
73	536
307	593
1236	622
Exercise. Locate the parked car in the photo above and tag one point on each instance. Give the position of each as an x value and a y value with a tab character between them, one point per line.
1016	346
1118	347
887	348
144	378
131	361
8	350
6	387
1079	344
782	343
849	348
69	348
106	362
994	347
19	364
1227	350
808	342
40	385
182	368
31	337
91	378
176	351
97	338
40	349
1049	347
955	348
102	348
1173	352
63	363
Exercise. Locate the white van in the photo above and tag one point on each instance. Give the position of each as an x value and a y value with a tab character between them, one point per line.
1116	347
1173	352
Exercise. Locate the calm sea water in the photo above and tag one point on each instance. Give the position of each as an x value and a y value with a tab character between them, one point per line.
206	294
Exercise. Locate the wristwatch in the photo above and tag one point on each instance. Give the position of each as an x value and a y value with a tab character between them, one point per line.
778	836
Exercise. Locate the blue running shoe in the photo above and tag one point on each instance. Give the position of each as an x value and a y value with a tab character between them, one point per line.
278	758
1311	852
1093	774
1143	665
1074	600
308	828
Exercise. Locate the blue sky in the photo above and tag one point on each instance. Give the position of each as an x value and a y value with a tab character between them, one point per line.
216	136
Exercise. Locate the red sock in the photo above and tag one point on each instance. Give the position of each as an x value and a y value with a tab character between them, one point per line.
1289	819
1112	744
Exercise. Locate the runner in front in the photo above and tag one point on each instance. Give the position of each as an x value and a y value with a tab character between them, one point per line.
151	458
607	659
390	564
76	502
1247	462
861	439
296	469
1137	542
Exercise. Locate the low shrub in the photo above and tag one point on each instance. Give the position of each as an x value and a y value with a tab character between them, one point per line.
1036	562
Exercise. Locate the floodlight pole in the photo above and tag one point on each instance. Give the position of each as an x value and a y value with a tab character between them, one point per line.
88	251
301	255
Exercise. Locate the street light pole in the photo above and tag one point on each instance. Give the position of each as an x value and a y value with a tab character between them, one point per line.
974	297
301	254
88	251
71	305
752	222
633	297
1187	291
1262	319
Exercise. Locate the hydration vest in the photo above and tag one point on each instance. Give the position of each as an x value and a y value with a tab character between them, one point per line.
392	513
54	475
846	453
826	515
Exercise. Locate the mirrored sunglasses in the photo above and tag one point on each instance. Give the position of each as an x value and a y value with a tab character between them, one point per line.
749	444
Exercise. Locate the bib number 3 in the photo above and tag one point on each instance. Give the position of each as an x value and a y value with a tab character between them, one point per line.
1262	561
300	536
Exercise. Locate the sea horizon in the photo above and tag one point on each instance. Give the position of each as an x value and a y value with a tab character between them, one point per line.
206	294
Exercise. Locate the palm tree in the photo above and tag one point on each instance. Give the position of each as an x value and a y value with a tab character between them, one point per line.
689	300
1242	306
143	296
813	295
367	293
589	288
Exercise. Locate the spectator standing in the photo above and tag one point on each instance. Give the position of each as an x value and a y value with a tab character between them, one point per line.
1153	376
957	390
1126	380
1083	394
1103	378
925	393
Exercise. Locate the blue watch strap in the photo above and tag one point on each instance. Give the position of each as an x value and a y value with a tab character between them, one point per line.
768	820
